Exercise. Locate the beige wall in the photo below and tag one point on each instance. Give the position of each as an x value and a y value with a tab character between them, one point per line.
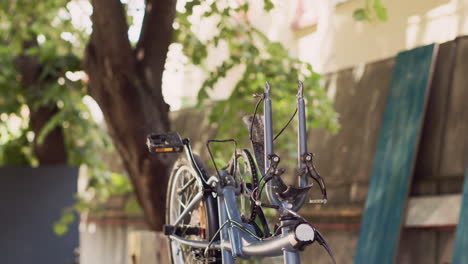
340	42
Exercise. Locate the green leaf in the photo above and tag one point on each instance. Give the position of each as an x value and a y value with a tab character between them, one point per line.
120	184
54	122
68	218
60	229
132	207
61	226
16	151
32	51
190	5
202	96
380	10
268	5
360	14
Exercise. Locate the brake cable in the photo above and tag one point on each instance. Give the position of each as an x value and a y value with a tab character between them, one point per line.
321	240
285	126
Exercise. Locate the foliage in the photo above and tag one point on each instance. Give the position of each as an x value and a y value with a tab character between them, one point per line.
58	46
24	32
373	9
103	185
25	29
260	60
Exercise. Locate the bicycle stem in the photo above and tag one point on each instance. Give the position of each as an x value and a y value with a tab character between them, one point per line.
302	143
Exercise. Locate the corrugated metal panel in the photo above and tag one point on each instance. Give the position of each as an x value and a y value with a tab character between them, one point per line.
31	200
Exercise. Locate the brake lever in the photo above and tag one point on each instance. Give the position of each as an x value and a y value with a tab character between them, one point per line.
321	240
309	162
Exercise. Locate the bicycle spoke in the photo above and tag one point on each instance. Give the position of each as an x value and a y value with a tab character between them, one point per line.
187	185
193	191
182	204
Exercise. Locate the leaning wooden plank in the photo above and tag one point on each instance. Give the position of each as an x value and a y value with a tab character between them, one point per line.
433	211
395	156
460	252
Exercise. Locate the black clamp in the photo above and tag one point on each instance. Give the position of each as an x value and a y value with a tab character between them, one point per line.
284	192
274	160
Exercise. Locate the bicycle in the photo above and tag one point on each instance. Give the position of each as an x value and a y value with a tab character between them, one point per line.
207	219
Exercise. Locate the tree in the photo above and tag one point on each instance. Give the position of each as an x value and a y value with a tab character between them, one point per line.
44	118
125	79
126	82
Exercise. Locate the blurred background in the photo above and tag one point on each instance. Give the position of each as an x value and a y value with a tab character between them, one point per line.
82	83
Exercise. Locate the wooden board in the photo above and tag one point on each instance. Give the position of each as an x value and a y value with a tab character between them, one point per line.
345	159
433	211
460	252
359	96
425	246
455	141
395	156
429	153
418	246
421	212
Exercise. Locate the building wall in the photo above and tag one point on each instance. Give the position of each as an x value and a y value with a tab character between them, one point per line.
335	41
104	243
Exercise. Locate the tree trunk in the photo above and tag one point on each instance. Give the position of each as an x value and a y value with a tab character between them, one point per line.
52	151
126	83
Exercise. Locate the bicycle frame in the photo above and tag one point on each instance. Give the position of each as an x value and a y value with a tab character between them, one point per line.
236	237
235	241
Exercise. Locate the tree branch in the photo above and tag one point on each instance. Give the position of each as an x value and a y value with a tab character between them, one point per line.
110	35
128	90
155	38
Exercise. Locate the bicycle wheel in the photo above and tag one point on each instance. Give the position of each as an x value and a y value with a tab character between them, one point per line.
202	221
246	174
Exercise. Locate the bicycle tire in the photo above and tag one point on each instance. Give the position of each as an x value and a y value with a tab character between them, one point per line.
179	253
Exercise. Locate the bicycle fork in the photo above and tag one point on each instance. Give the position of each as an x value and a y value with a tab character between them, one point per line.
236	242
290	256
